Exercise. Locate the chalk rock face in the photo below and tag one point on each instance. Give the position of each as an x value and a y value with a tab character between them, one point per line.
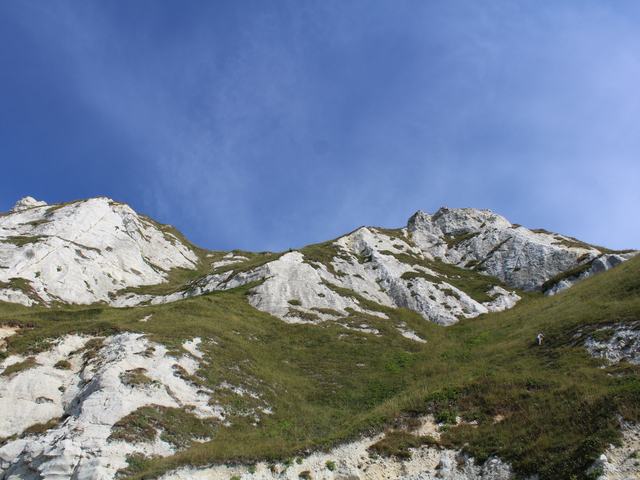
86	251
25	204
82	251
599	265
404	268
92	395
620	342
300	289
485	241
619	462
15	296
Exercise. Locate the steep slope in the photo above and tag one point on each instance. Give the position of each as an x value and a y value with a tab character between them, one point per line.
215	380
81	252
454	264
318	283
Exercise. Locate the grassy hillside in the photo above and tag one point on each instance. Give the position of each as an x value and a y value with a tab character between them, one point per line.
325	384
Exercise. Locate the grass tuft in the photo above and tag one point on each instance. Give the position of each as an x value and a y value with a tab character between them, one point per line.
20	367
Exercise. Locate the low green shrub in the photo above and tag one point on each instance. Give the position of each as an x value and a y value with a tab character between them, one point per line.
138	462
398	443
447	416
40	428
603	335
62	365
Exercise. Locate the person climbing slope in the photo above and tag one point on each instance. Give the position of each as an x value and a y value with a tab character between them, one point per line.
540	337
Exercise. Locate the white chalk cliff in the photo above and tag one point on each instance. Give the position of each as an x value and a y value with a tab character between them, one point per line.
92	394
393	272
87	251
485	241
294	279
81	252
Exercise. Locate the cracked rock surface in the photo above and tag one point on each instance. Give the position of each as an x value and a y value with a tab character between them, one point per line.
298	289
616	343
520	257
87	398
600	264
82	251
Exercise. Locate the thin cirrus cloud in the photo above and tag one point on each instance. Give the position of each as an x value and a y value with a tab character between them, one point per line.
265	126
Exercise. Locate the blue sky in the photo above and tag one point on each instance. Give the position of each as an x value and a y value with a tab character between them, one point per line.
266	125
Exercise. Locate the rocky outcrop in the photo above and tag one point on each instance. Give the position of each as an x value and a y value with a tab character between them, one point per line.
90	395
106	379
615	343
65	406
86	251
489	243
82	252
353	461
356	461
87	385
26	203
620	462
598	265
300	289
388	268
10	295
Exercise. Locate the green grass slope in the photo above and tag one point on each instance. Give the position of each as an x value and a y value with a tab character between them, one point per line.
325	384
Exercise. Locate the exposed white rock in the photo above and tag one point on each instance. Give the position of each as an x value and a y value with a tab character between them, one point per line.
85	251
5	332
94	397
15	296
291	279
520	257
620	343
504	299
410	334
366	263
34	395
130	300
82	251
25	204
379	279
191	346
441	302
622	462
599	265
229	259
299	290
354	462
598	467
